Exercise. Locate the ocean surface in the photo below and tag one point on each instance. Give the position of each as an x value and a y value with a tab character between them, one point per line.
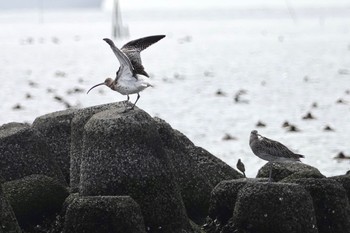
279	62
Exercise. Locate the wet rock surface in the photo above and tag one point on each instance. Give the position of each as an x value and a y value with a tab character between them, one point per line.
23	152
224	197
330	203
8	221
289	171
123	155
196	171
76	147
274	207
344	180
56	129
255	205
130	164
13	125
103	214
35	198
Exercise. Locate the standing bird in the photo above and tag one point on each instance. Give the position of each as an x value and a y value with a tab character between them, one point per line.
240	166
131	75
271	150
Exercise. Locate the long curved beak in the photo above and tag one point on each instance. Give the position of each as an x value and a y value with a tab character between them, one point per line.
94	87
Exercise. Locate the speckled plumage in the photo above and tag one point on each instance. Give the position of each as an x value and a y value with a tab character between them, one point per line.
270	150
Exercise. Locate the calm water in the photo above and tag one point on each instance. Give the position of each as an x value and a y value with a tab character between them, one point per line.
284	64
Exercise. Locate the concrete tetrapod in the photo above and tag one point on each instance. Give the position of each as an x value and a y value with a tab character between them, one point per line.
122	154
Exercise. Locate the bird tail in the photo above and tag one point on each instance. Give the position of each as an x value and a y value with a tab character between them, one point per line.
147	85
300	156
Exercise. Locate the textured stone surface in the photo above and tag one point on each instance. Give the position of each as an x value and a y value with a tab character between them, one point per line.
224	196
77	125
8	221
274	208
345	181
331	204
23	152
289	170
103	214
123	155
34	198
56	129
197	171
13	125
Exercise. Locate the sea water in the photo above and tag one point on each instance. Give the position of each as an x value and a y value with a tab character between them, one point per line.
281	61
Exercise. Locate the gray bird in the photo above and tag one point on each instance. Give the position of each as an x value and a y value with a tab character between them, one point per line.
131	75
240	166
133	48
271	150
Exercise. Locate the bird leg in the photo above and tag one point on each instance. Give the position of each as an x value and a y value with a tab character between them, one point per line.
270	174
126	103
138	97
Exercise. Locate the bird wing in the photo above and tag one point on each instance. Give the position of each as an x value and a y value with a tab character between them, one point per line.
125	64
275	148
142	43
133	48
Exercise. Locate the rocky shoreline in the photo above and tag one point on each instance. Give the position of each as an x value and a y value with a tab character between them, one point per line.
100	170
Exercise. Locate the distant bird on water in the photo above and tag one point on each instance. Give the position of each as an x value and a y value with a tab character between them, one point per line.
271	150
131	75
